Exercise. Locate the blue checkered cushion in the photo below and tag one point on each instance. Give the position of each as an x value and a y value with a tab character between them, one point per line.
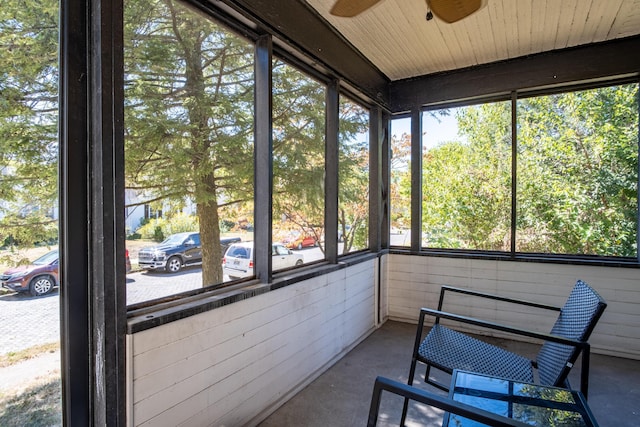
576	321
447	349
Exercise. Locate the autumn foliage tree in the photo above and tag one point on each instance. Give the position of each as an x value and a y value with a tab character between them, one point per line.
353	176
298	151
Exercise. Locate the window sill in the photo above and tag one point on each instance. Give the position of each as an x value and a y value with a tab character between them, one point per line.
159	312
521	257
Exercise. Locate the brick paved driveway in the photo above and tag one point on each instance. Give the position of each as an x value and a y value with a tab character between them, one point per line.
26	321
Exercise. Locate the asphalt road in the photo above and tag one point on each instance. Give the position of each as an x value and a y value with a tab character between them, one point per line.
26	321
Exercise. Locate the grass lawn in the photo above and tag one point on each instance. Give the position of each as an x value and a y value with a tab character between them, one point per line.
37	406
31	391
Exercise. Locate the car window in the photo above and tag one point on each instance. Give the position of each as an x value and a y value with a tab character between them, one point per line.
47	258
238	252
196	239
282	250
174	239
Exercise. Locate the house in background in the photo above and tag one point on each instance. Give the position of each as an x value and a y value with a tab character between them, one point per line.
136	211
23	207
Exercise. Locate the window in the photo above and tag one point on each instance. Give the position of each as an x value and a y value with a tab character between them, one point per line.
353	179
29	217
466	177
189	89
298	161
577	175
578	172
400	185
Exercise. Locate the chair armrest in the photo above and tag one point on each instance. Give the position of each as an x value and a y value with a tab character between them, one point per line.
446	404
503	328
443	289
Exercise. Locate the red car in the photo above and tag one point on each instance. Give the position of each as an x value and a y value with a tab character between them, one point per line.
296	240
38	278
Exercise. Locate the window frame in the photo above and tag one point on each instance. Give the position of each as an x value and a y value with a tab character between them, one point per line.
512	254
354	100
330	89
268	48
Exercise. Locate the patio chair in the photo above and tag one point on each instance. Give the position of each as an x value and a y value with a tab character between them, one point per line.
441	402
446	349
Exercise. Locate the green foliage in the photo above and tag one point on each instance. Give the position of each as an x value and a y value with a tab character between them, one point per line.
466	184
189	105
28	120
400	181
577	176
189	135
583	197
298	148
226	225
360	236
353	176
158	229
147	231
158	235
188	114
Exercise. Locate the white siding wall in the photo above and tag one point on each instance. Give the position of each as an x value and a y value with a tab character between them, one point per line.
414	282
233	365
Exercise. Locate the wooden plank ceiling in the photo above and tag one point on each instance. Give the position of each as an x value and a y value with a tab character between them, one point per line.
395	36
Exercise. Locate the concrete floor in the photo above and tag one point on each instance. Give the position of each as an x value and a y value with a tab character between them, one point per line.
341	396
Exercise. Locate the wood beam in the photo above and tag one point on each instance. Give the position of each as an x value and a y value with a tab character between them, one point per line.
299	25
263	178
560	67
92	244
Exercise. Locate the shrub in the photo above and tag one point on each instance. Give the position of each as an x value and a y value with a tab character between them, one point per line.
147	231
158	228
158	235
226	225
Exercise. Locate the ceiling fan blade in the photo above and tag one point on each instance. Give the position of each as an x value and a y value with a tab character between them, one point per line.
350	8
454	10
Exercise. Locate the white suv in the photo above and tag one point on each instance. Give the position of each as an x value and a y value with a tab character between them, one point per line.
238	260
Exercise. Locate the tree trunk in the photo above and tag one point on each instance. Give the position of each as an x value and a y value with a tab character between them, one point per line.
210	240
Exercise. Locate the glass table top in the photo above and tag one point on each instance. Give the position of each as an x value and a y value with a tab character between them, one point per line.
529	403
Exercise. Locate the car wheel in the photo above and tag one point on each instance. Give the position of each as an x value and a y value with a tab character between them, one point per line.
40	285
174	264
299	262
299	246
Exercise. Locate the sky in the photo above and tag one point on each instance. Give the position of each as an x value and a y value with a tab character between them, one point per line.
434	131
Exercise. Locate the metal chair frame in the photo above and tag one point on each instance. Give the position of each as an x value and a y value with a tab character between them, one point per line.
579	346
444	403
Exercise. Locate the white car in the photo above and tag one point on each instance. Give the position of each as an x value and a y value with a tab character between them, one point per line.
238	260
